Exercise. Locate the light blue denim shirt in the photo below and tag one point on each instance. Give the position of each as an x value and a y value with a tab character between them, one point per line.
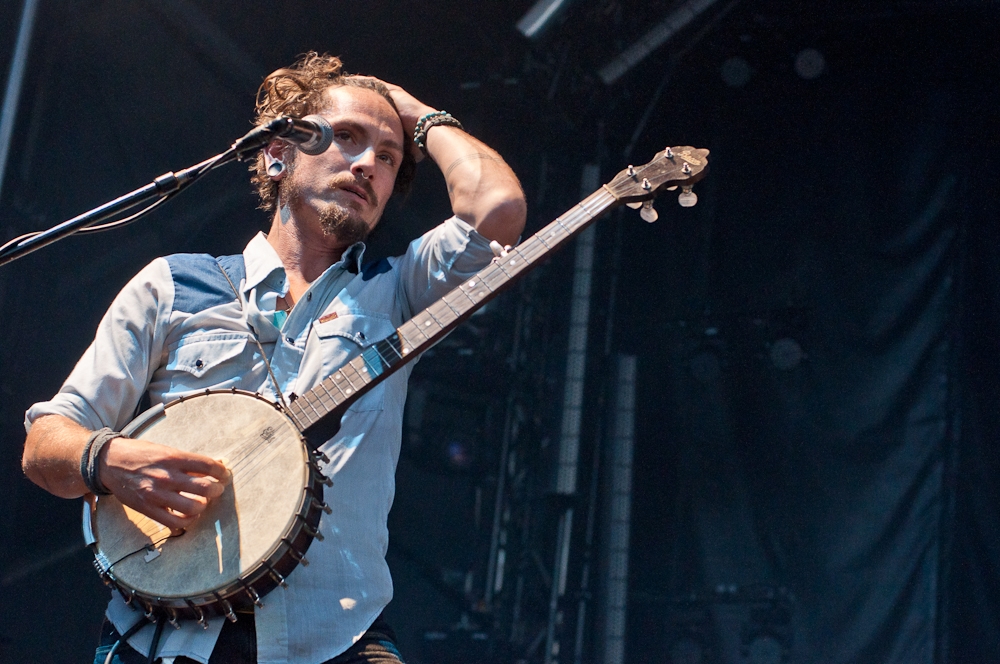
165	333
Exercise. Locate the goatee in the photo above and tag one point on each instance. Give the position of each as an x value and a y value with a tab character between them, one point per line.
340	222
335	219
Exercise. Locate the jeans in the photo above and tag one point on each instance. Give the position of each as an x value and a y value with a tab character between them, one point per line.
237	644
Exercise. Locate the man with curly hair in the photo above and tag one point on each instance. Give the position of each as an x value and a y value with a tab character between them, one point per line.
304	305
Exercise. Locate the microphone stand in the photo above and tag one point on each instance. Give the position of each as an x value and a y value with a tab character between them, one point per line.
165	186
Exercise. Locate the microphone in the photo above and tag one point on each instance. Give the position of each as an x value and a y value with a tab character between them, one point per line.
311	134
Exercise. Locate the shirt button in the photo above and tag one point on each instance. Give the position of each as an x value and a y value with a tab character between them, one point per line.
199	364
290	340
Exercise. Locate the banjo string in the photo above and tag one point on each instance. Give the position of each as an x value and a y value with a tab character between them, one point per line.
249	462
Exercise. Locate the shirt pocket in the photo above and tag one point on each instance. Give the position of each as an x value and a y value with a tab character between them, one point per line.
347	336
209	361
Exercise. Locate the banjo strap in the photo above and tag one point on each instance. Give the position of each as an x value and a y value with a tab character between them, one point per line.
253	333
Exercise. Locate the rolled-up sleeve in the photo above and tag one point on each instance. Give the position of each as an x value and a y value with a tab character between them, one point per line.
439	260
111	376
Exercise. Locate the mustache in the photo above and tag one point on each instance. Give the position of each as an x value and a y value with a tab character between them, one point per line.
344	180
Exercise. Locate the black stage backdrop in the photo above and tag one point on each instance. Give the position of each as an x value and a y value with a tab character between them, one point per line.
817	463
818	415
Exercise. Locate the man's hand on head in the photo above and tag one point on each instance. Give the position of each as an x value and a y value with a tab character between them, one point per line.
410	110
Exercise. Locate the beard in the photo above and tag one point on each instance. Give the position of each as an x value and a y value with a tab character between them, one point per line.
335	219
342	223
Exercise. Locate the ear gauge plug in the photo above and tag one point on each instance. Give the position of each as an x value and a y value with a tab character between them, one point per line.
275	168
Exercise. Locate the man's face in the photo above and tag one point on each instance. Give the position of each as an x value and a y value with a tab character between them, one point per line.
343	191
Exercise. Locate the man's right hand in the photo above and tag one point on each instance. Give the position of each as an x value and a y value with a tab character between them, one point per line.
168	485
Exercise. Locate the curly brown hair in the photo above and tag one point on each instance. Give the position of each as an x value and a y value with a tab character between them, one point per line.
297	91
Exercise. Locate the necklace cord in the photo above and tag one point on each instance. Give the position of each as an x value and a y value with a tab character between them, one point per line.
253	333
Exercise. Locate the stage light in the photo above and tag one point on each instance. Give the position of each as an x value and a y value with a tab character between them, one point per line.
786	354
653	39
706	367
765	649
809	63
459	455
735	72
767	632
689	631
443	430
15	80
687	650
541	17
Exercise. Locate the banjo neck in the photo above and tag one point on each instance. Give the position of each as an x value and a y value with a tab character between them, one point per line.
313	411
317	413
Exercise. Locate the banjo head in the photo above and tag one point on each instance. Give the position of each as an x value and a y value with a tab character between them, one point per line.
248	538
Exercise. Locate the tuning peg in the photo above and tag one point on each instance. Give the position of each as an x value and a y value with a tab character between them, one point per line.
687	198
648	212
635	205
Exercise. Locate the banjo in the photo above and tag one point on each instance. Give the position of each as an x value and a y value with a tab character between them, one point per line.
251	538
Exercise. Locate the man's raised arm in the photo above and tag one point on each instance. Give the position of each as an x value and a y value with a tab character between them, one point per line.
483	189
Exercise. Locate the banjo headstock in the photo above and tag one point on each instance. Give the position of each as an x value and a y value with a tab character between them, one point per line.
673	167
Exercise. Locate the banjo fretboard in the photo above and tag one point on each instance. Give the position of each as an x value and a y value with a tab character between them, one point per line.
338	391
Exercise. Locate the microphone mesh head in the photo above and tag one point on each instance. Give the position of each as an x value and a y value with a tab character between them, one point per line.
319	144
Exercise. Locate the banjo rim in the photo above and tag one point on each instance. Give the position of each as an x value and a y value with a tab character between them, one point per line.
264	575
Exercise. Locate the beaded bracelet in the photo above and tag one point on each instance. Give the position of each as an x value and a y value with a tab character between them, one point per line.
89	465
432	120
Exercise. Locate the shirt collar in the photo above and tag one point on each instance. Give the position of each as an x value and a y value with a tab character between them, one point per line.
262	260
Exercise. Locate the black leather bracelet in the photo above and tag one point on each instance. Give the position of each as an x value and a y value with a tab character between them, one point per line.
89	466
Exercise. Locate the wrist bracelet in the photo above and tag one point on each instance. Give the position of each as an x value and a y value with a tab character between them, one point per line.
432	120
89	466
